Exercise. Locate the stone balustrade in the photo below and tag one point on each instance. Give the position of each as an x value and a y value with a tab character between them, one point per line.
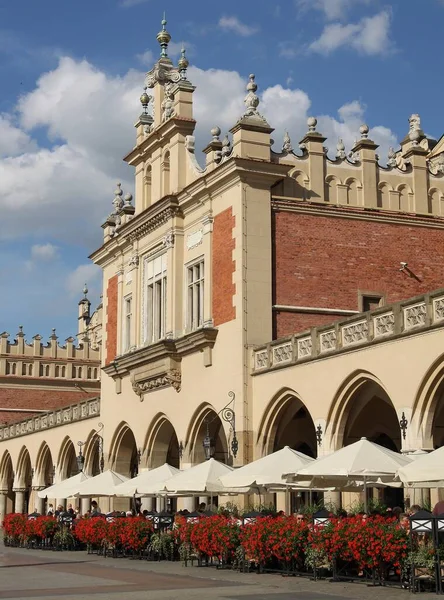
55	418
385	323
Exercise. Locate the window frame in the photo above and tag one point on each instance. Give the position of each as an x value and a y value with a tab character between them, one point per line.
127	322
362	296
194	290
154	300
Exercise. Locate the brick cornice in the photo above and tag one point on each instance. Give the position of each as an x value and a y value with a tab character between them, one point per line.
285	204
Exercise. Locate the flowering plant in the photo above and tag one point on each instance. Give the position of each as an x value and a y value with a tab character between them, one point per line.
216	536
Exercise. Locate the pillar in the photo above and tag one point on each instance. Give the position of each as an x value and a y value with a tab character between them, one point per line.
84	505
2	506
332	499
19	501
60	501
147	504
39	504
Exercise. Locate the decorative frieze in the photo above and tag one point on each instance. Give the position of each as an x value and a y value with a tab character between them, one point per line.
328	341
56	418
415	316
355	333
382	324
172	378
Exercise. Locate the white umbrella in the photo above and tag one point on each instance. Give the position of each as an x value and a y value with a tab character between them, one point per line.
147	482
269	470
425	471
201	478
104	484
362	461
65	489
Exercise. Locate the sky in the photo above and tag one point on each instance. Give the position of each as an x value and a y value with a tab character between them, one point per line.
72	73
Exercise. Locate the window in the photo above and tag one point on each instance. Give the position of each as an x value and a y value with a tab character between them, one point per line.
127	319
195	295
155	299
370	301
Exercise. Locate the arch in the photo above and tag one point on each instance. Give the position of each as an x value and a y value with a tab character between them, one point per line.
89	371
162	445
44	467
429	402
123	451
405	193
67	460
30	369
206	420
6	471
14	368
147	186
57	371
23	472
287	422
353	191
362	408
91	452
435	204
383	199
297	185
166	173
63	371
331	189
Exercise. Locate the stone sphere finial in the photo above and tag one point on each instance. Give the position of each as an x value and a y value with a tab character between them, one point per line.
118	190
312	122
144	100
215	132
183	62
363	130
85	290
128	198
340	149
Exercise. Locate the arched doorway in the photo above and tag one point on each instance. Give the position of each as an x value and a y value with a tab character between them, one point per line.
23	482
363	408
206	423
67	463
287	422
162	444
125	456
6	484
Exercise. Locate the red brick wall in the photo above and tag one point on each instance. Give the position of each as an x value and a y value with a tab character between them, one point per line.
323	261
40	399
111	319
223	267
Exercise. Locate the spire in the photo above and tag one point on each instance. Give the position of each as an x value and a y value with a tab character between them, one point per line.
163	37
183	63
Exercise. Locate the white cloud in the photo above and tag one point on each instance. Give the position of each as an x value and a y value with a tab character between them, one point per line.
90	274
233	24
13	140
44	252
147	58
331	9
370	36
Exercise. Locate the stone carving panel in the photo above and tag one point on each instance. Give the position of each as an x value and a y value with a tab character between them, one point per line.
328	341
415	316
355	333
438	309
282	353
305	346
384	325
261	359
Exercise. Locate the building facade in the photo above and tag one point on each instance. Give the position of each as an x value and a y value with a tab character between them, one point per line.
264	299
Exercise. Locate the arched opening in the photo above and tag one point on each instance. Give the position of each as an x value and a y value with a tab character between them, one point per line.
124	453
364	409
23	482
162	444
92	452
6	482
404	203
147	187
44	470
166	173
67	463
287	422
207	423
352	192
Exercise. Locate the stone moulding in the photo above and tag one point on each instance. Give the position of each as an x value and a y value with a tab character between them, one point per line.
56	418
159	365
388	322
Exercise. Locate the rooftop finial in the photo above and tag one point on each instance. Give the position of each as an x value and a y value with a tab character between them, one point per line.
163	37
85	290
183	63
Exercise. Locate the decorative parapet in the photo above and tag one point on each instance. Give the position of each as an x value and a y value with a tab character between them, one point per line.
55	418
365	329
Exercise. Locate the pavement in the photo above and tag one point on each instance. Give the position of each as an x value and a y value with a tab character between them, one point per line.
52	575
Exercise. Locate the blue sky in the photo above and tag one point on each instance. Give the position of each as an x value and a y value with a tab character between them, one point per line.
72	73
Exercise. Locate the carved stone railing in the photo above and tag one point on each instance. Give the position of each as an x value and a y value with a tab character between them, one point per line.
55	418
397	320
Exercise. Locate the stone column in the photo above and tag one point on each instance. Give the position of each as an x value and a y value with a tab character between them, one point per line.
60	501
3	495
147	504
19	500
84	505
39	502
